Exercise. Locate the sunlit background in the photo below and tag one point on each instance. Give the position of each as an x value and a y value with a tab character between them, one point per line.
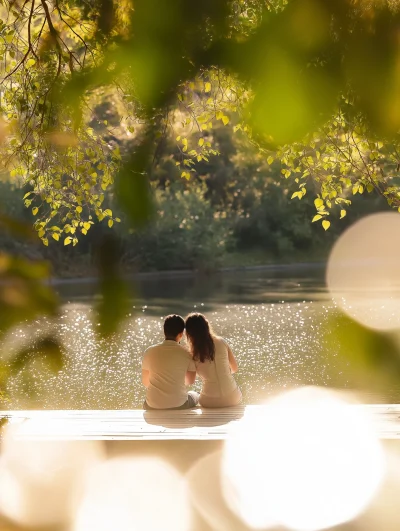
104	102
274	326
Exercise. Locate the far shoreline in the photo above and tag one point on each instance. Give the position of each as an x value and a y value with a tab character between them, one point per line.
192	272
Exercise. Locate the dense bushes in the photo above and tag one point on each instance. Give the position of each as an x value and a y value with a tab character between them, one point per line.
235	209
186	233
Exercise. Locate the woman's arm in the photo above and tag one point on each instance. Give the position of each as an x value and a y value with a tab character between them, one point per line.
232	360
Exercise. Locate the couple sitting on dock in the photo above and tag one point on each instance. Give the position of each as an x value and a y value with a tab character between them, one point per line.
168	368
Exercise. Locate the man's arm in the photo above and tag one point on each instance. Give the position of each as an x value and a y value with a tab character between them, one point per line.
146	370
190	377
145	377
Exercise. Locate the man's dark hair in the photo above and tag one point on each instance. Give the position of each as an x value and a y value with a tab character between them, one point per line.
173	326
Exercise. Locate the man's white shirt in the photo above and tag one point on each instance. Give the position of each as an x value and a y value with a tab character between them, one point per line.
167	364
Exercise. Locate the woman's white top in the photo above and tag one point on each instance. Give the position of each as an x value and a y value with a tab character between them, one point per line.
216	375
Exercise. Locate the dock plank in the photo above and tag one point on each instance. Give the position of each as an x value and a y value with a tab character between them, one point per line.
194	424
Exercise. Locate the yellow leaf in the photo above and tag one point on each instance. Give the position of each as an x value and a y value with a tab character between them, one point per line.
45	241
110	223
35	211
79	209
225	120
56	236
208	87
117	220
67	241
86	225
84	231
342	214
41	233
318	202
326	224
316	218
201	142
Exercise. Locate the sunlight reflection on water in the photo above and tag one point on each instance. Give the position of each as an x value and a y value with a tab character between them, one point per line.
278	345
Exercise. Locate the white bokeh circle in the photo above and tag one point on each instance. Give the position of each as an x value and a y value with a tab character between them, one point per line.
363	271
306	461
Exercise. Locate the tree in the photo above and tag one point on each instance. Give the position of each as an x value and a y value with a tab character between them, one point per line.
279	71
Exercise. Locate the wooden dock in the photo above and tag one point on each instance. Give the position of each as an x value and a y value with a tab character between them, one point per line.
129	425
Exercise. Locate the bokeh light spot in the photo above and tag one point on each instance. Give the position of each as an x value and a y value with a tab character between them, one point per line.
127	493
40	480
307	460
363	273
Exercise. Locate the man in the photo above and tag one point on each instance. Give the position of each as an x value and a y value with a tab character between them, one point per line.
167	369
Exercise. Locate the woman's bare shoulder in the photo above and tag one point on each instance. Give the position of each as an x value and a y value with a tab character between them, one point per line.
220	340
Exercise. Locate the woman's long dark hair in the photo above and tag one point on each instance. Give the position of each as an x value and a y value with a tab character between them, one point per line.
200	337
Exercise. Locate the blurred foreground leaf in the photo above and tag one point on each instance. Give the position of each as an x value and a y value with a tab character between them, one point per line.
24	294
132	186
18	228
47	349
372	357
114	303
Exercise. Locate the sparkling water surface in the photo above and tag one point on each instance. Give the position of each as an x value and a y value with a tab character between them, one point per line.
272	319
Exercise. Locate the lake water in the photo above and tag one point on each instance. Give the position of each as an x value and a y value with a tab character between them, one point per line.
272	319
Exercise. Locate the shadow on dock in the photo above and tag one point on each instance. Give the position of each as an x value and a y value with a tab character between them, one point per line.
197	417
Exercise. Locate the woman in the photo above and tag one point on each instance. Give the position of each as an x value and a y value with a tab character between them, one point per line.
214	362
